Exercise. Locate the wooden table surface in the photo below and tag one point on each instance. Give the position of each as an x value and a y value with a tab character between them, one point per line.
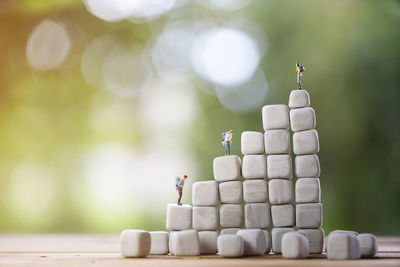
103	250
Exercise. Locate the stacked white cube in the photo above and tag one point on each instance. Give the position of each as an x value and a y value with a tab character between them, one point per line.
307	169
255	187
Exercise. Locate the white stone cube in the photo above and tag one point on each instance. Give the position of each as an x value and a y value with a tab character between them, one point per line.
170	245
267	240
185	243
205	193
368	245
254	166
179	217
280	191
252	143
254	242
299	99
257	215
294	246
315	239
231	215
255	190
302	119
307	166
308	190
277	142
227	168
338	231
342	246
282	215
279	166
275	117
305	142
230	192
205	218
276	238
229	231
230	246
208	242
135	243
159	242
309	215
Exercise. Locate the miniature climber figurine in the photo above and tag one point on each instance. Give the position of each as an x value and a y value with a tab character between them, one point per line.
299	69
179	184
227	141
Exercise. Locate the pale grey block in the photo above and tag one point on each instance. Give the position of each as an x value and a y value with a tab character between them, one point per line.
257	215
277	142
230	192
305	142
229	231
315	239
338	231
170	245
280	191
179	217
309	215
342	246
294	246
230	246
254	242
279	166
252	143
254	166
275	117
302	119
227	168
276	237
159	242
267	241
231	215
282	215
255	190
299	99
185	243
368	245
205	193
307	166
308	190
205	218
208	242
135	243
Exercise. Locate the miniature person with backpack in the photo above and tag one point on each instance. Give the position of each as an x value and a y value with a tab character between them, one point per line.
227	141
179	184
299	69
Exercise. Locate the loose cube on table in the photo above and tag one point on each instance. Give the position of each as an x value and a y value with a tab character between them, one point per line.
315	239
294	245
135	243
276	237
254	241
342	246
368	245
159	242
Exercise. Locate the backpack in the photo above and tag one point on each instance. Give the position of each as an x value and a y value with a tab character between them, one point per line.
301	68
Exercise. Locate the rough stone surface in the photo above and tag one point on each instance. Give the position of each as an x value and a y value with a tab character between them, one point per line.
205	218
315	239
255	190
254	166
230	246
299	99
185	243
252	143
342	246
275	117
135	243
282	215
277	142
179	217
276	237
229	231
257	215
279	166
302	119
368	245
294	246
307	166
208	242
308	190
267	241
280	191
231	215
205	193
227	168
159	242
305	142
230	192
254	241
338	231
309	215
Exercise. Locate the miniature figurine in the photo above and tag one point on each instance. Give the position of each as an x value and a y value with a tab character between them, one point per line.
227	141
299	69
179	184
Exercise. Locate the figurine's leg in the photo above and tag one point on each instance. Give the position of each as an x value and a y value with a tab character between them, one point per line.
180	196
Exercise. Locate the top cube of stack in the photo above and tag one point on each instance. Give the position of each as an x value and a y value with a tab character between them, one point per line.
299	99
252	143
275	117
227	168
